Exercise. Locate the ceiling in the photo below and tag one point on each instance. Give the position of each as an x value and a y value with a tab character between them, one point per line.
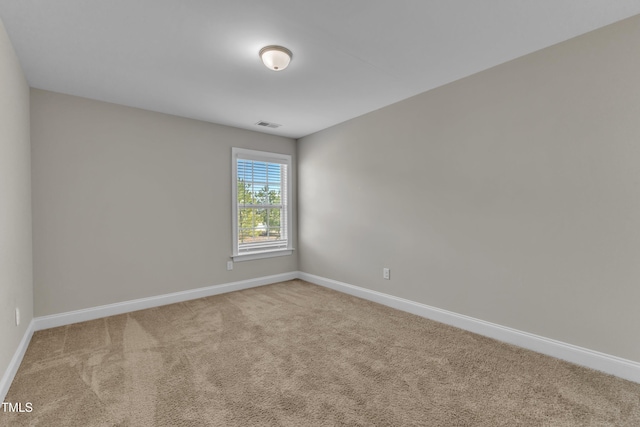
199	58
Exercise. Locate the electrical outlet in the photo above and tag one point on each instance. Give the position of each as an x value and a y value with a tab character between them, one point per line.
386	274
17	316
229	265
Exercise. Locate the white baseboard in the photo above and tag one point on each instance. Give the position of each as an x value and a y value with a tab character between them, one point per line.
14	364
623	368
613	365
55	320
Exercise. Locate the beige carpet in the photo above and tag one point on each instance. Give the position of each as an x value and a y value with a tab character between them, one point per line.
296	354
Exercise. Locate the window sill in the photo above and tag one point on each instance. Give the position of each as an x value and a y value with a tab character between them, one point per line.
260	255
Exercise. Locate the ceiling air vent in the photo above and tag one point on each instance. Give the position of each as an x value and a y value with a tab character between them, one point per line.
268	125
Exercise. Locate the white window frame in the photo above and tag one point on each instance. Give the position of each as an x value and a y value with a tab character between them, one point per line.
269	157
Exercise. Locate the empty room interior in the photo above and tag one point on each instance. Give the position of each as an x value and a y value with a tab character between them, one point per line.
279	212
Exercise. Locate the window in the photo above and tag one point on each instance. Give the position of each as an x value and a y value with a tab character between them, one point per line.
261	209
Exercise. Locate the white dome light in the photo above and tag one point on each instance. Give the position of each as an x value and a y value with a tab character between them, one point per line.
276	58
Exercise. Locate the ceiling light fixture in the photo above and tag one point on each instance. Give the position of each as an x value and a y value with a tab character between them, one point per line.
276	58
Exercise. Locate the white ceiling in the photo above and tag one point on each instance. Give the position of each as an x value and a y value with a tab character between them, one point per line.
199	58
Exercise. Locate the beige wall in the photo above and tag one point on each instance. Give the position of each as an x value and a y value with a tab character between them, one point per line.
511	196
16	284
130	203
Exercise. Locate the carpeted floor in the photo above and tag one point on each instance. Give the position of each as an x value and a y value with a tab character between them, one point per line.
296	354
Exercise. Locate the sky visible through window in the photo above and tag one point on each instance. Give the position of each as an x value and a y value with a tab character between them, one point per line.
259	174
